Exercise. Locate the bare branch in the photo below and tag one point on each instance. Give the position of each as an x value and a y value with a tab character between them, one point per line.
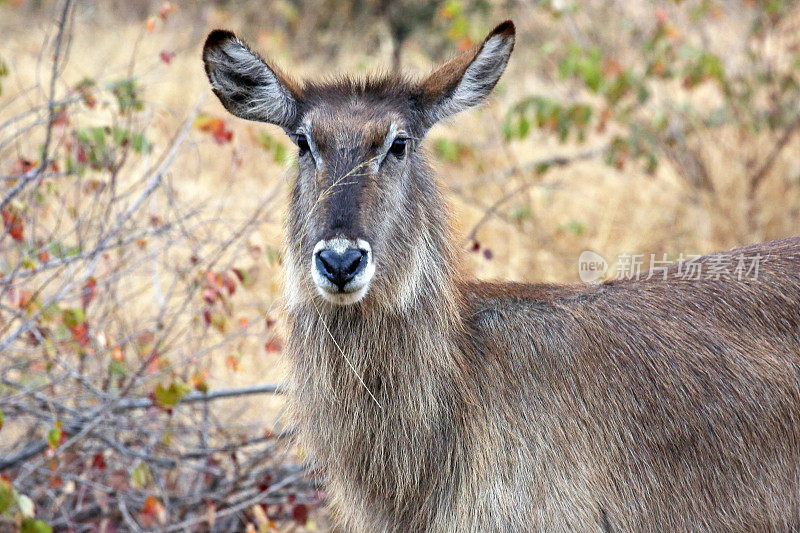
37	172
540	166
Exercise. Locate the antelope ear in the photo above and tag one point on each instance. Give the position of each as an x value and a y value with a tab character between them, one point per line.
466	80
248	86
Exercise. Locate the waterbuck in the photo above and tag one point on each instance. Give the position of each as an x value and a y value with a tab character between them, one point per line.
436	403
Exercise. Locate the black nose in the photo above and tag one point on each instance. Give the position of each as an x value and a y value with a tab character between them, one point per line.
341	268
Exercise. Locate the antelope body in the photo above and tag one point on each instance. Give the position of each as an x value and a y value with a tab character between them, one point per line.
433	403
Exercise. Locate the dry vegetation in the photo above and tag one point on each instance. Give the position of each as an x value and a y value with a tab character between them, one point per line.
140	264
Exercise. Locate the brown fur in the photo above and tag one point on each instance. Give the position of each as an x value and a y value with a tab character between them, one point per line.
626	406
440	404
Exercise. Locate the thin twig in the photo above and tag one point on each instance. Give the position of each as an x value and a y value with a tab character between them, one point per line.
770	159
538	165
195	396
37	172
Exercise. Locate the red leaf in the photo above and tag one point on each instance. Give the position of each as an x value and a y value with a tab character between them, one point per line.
210	295
13	224
153	511
116	353
208	478
88	292
228	283
273	346
222	135
199	382
300	513
154	364
88	98
23	166
166	56
81	334
25	299
214	279
232	362
265	483
60	119
98	461
465	44
216	127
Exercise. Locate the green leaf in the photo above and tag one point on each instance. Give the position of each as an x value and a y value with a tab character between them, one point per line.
586	65
124	137
99	142
278	149
170	396
54	435
6	495
524	127
141	476
575	227
273	255
449	150
73	317
117	368
245	276
85	83
619	88
701	66
3	72
127	93
30	525
546	114
57	249
521	213
2	418
774	7
219	321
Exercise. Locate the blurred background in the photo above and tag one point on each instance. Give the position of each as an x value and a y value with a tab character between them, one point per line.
141	323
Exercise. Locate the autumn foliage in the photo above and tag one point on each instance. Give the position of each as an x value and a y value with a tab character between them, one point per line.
125	307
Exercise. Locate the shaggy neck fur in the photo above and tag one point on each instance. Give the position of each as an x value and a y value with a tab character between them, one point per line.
391	457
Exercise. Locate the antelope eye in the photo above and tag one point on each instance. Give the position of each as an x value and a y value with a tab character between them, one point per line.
302	143
398	147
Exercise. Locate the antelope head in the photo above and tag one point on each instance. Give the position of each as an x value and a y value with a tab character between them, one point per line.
362	203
